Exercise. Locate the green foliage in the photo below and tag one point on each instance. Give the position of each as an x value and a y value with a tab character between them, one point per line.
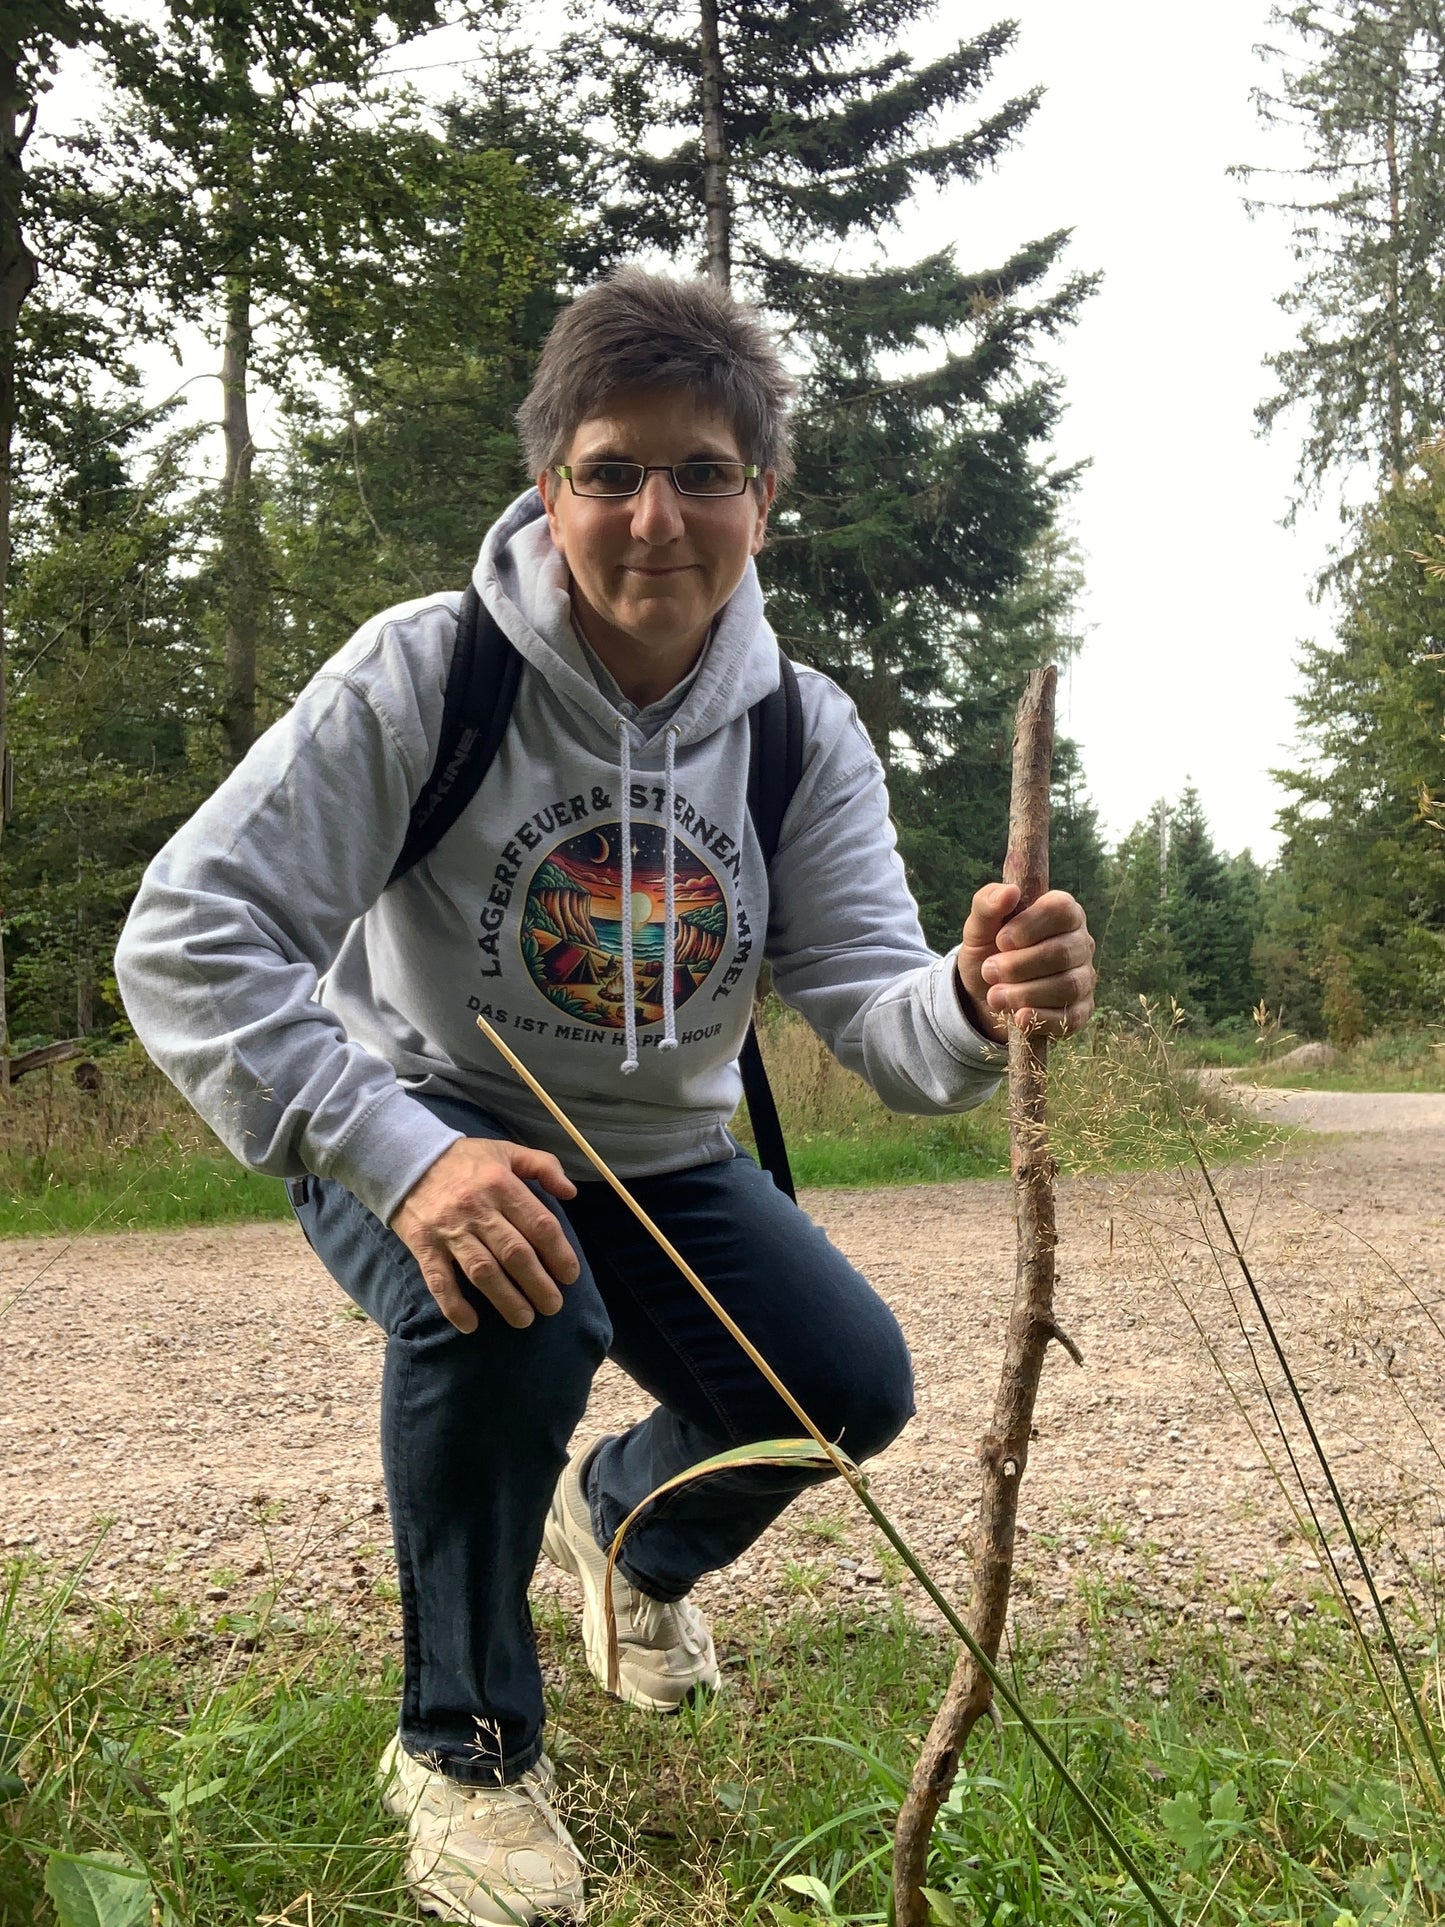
915	558
103	1890
30	31
415	265
386	498
1189	932
109	705
234	1770
129	1154
1365	850
243	168
238	153
120	1151
951	799
1400	1060
1362	83
1352	934
1114	1105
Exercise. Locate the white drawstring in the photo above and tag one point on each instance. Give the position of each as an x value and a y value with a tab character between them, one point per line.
629	996
668	1040
669	939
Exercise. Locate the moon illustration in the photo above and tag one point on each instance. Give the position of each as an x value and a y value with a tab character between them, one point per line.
606	849
641	908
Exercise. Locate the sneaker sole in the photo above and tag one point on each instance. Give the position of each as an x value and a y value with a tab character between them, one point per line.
443	1907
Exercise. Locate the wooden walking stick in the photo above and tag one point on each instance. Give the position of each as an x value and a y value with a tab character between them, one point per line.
1004	1449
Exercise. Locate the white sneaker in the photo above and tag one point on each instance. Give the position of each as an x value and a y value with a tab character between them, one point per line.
487	1856
664	1652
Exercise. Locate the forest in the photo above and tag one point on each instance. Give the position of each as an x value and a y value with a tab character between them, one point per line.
373	269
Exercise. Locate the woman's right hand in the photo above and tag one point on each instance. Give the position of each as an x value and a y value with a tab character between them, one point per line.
472	1210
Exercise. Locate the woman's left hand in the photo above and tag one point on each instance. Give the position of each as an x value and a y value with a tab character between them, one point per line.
1035	966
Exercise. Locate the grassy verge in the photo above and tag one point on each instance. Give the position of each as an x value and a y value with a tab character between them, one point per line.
131	1156
1401	1060
1116	1104
227	1769
1398	1061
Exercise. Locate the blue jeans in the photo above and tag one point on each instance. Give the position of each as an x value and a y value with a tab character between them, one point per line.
475	1427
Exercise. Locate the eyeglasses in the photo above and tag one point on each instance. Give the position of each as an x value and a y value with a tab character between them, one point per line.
612	480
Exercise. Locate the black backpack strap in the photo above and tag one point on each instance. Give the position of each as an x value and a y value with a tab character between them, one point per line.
481	689
775	768
775	756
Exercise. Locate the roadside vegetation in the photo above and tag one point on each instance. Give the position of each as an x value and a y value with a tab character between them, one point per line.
121	1151
118	1151
1407	1059
221	1768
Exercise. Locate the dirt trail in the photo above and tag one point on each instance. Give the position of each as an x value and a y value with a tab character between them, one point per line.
1391	1112
214	1395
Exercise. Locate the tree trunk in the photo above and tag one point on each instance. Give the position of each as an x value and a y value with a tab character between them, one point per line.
1004	1449
1393	357
718	263
241	575
882	703
17	278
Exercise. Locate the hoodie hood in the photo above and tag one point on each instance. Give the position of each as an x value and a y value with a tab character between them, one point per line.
603	898
523	581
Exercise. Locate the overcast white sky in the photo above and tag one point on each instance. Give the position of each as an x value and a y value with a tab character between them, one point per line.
1197	596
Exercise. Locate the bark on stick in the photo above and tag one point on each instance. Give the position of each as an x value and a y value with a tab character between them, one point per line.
1004	1449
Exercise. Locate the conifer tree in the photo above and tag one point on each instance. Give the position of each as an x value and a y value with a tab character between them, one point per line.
1214	912
31	33
1363	81
385	497
1183	917
1364	850
232	183
110	693
760	142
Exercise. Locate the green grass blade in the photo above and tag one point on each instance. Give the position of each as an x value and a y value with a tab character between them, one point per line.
806	1452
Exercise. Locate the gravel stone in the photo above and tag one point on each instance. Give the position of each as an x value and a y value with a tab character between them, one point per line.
204	1403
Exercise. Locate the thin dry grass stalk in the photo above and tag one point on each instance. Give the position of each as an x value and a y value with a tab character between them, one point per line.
849	1472
1003	1452
839	1461
1427	1738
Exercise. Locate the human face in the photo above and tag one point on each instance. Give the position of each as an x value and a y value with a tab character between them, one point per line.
650	571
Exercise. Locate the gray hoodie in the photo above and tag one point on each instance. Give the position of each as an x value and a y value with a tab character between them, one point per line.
603	901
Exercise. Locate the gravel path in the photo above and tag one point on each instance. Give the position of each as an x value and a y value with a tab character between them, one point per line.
1352	1111
213	1395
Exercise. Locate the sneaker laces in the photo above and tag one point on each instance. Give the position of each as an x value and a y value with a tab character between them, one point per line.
664	1624
509	1821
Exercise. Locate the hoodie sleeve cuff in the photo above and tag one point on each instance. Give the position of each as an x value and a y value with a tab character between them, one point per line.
952	1028
387	1151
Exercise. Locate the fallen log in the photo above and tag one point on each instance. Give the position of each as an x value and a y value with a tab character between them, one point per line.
43	1054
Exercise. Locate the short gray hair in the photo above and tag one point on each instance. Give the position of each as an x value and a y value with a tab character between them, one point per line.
639	330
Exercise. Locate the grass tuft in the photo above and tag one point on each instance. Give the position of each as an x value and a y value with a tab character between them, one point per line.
234	1776
132	1155
1114	1106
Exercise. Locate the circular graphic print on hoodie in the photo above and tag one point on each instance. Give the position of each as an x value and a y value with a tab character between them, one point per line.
571	932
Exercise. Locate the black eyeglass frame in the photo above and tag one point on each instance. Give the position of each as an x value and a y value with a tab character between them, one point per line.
750	473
